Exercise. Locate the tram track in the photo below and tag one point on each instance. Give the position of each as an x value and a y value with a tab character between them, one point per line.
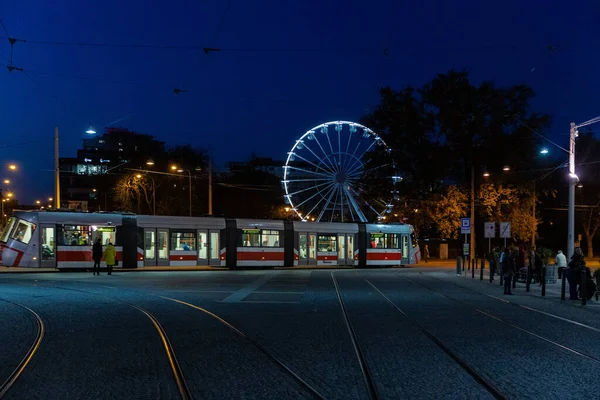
364	368
514	326
580	324
367	375
16	373
282	366
314	393
178	375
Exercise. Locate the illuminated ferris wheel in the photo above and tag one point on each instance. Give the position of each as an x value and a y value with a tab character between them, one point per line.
340	171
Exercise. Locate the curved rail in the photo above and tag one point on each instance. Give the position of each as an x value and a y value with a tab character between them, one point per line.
274	359
7	384
182	385
366	372
470	370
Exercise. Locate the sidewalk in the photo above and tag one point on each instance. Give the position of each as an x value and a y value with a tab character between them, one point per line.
553	290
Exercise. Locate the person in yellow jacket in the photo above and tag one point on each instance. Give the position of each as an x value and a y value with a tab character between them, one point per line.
110	255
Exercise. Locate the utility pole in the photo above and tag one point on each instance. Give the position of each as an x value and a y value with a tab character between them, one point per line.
534	218
210	186
573	179
472	244
190	183
56	172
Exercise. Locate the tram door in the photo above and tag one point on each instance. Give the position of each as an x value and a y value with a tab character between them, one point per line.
307	250
156	247
48	246
208	247
346	249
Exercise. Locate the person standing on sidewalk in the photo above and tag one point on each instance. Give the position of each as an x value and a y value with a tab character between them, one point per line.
426	253
110	255
508	270
97	256
576	265
561	263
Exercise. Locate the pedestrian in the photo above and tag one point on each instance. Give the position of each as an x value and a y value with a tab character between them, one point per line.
97	256
576	265
561	263
508	270
426	254
110	255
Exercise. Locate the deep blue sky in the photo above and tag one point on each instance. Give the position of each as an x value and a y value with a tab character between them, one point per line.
244	101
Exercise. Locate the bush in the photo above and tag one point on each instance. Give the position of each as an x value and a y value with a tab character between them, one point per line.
546	254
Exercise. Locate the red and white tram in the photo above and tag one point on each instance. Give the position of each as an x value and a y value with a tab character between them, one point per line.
63	240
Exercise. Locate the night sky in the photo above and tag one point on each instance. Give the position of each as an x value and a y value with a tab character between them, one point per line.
291	66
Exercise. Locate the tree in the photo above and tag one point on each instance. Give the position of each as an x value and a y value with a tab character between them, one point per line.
133	192
448	210
509	203
588	209
448	126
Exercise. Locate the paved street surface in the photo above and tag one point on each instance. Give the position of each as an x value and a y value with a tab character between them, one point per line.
411	333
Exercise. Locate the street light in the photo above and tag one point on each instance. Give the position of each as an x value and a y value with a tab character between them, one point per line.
12	167
544	151
7	181
38	202
50	199
486	174
150	162
91	130
506	168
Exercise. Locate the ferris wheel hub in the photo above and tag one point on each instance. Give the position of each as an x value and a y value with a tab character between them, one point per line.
340	177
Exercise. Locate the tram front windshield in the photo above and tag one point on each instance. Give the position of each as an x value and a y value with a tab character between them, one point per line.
19	230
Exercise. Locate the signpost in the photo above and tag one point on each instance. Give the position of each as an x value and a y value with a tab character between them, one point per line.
489	233
465	228
504	231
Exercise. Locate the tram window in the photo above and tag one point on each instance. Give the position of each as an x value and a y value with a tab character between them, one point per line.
183	241
327	243
385	240
23	231
7	229
413	239
77	235
251	238
270	238
105	233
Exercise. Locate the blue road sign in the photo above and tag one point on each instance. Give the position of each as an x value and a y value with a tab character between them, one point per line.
465	225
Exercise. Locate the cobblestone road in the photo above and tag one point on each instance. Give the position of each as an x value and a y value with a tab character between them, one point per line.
282	335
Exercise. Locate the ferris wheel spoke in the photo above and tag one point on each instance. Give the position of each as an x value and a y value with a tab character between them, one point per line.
321	160
347	149
310	188
326	204
323	197
341	190
356	207
328	171
361	156
307	180
349	205
314	195
335	203
330	176
331	164
353	156
356	171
